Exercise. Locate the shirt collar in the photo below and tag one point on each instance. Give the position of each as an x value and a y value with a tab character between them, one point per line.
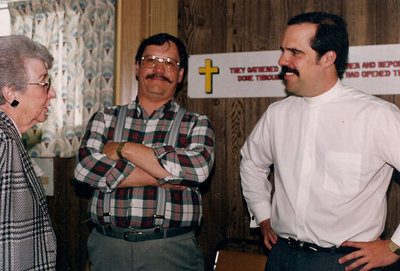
158	112
13	121
327	96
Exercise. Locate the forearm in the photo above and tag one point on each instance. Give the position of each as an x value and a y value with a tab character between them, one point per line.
137	178
191	162
188	164
144	158
141	178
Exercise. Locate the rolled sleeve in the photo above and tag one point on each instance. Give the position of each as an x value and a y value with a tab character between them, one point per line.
93	167
189	163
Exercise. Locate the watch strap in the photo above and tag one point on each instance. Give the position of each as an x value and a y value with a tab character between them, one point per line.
119	150
394	247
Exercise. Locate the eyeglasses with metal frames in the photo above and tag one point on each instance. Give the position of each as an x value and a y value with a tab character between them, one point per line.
46	85
169	64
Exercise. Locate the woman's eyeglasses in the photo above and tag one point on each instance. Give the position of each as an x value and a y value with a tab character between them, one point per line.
46	85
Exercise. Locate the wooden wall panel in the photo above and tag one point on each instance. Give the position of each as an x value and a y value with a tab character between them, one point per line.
68	211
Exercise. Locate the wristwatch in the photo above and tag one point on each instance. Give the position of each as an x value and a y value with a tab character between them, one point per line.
394	247
119	149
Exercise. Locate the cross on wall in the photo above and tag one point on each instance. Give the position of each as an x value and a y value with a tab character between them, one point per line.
208	70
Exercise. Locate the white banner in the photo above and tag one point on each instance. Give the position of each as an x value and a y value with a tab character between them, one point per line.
374	69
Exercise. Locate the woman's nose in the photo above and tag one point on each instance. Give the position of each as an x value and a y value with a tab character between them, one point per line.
52	92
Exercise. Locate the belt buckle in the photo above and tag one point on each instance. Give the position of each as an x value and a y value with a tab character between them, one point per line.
310	249
292	243
132	236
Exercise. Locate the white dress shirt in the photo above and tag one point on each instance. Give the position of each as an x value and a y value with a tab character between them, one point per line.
333	156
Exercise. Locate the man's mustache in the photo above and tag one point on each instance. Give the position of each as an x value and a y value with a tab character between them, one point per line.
286	69
157	75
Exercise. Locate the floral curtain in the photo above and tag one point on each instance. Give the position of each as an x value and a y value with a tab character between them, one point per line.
80	36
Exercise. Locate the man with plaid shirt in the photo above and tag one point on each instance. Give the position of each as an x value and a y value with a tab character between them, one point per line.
126	174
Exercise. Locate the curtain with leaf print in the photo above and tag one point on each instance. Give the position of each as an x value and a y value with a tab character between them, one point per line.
80	36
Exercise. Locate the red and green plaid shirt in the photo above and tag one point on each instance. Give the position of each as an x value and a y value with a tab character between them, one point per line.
189	163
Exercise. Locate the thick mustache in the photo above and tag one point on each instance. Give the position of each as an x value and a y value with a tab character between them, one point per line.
286	69
157	75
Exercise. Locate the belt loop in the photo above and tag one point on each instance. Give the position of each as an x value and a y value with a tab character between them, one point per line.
165	233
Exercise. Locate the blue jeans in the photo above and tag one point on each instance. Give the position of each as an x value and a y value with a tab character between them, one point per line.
284	258
170	254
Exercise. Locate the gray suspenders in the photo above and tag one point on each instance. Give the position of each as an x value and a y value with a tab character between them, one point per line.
161	192
119	127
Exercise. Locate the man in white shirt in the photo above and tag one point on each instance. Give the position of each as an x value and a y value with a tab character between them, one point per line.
333	148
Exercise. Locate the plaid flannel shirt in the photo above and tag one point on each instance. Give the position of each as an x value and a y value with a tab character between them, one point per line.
189	163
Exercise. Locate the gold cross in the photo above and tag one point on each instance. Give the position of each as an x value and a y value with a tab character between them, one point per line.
208	70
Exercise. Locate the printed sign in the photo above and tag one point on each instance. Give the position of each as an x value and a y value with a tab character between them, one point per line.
374	69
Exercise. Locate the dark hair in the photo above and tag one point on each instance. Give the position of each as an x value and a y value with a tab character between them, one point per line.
14	50
331	35
160	39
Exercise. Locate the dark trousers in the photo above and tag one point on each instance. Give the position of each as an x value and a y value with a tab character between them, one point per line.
284	258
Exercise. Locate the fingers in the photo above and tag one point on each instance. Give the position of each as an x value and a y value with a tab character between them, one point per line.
350	256
174	186
270	237
355	255
267	243
359	263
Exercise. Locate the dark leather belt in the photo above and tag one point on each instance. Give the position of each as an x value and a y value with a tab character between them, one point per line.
313	248
138	235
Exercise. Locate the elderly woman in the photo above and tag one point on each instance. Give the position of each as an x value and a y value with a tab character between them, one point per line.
27	239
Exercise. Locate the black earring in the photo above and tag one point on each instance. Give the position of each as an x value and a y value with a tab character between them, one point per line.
14	103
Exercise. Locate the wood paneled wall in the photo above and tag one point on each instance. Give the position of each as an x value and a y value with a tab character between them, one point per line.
68	211
219	26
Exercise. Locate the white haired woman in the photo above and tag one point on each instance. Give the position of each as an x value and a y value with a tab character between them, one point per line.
27	239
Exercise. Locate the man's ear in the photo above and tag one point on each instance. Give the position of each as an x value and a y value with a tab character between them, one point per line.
180	75
328	59
137	70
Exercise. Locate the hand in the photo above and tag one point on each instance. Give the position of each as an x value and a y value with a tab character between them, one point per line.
174	186
373	254
268	233
139	178
110	149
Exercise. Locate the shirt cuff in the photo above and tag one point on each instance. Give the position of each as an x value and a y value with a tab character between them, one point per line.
162	150
258	214
396	236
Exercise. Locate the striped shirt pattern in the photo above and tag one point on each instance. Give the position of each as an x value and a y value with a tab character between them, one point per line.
189	163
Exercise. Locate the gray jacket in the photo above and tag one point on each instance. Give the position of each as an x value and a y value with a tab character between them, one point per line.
27	239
